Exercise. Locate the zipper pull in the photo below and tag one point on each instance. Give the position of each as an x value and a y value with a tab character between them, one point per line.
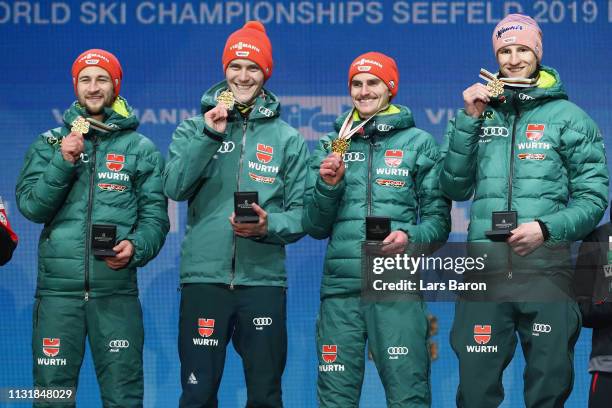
86	296
510	274
231	286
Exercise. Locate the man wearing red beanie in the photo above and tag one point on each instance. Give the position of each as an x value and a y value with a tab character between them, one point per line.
233	276
534	165
95	183
390	171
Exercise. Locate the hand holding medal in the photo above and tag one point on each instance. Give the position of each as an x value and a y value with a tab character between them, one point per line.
73	145
216	118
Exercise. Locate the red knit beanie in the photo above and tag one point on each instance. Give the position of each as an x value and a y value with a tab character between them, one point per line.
102	59
379	65
251	43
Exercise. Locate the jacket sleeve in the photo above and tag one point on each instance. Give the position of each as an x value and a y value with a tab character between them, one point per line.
152	224
44	182
459	152
583	154
193	146
434	208
321	200
286	227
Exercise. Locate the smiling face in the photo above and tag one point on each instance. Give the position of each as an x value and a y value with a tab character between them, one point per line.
245	79
95	90
369	94
517	61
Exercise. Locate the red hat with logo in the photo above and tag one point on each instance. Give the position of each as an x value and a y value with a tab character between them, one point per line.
102	59
379	65
251	43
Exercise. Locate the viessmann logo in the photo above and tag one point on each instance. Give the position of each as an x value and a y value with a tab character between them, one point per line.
365	61
241	45
93	58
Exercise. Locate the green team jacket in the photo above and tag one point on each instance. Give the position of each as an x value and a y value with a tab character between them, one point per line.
118	181
534	152
392	171
260	153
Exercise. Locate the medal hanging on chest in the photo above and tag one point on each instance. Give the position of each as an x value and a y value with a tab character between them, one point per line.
341	144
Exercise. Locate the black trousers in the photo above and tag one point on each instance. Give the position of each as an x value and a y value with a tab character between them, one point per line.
600	392
254	318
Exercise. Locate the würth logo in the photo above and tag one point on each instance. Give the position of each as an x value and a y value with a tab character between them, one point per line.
393	158
51	347
535	132
264	153
482	334
115	162
329	353
206	327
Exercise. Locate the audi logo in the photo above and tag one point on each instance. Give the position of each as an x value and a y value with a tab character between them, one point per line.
119	344
382	127
493	131
226	147
397	351
353	157
542	328
266	112
262	321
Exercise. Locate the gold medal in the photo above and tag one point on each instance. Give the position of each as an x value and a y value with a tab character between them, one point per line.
495	87
340	146
226	98
80	125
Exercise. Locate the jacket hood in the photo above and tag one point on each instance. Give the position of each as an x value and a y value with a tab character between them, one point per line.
549	87
395	117
266	106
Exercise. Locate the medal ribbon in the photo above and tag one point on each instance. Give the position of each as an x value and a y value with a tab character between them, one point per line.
514	82
345	133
